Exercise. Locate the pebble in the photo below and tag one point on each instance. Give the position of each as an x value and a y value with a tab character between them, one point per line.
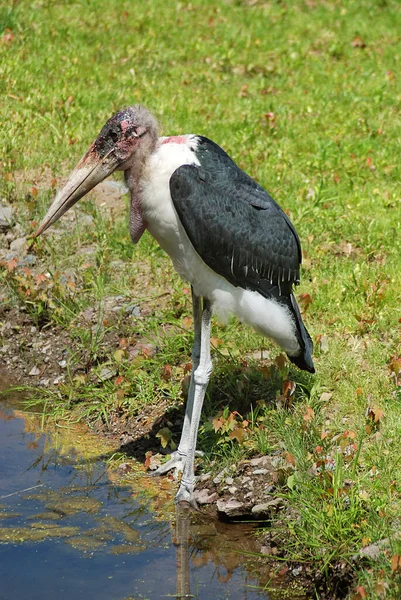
132	311
6	217
34	371
264	509
204	496
231	507
18	246
219	478
106	373
261	461
260	471
28	261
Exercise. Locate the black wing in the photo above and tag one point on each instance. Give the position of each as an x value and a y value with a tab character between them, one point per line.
235	226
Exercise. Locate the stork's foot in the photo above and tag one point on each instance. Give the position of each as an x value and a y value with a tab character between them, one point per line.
176	462
186	493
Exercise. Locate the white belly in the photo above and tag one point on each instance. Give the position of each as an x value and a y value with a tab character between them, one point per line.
266	316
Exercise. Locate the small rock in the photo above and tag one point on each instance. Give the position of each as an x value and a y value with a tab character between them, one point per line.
373	551
132	310
106	373
266	550
260	471
233	490
28	261
265	509
296	571
34	371
204	477
87	314
63	364
229	480
231	507
261	461
18	247
6	217
204	496
219	478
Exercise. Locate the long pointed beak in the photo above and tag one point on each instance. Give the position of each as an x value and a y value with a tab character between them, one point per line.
90	171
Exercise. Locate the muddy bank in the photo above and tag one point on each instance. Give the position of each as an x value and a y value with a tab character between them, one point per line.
247	490
35	352
91	529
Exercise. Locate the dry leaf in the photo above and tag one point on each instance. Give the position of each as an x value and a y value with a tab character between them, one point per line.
165	436
309	414
238	434
395	562
288	388
11	264
305	300
358	42
167	373
281	361
148	458
290	458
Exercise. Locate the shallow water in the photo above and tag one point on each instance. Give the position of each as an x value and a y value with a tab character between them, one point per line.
68	531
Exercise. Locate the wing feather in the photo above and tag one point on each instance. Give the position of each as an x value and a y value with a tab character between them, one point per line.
234	225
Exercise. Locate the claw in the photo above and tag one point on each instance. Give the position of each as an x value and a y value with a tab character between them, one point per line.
186	494
176	462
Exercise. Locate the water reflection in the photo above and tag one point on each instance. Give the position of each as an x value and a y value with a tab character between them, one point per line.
68	527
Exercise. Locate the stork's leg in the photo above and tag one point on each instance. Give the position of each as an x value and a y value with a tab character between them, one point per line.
201	376
177	459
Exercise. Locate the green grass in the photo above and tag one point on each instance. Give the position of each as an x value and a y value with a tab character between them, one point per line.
305	96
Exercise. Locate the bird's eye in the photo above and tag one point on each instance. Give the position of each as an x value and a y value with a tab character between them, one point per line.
130	131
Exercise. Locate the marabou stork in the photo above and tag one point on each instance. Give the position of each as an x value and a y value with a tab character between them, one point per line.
223	232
